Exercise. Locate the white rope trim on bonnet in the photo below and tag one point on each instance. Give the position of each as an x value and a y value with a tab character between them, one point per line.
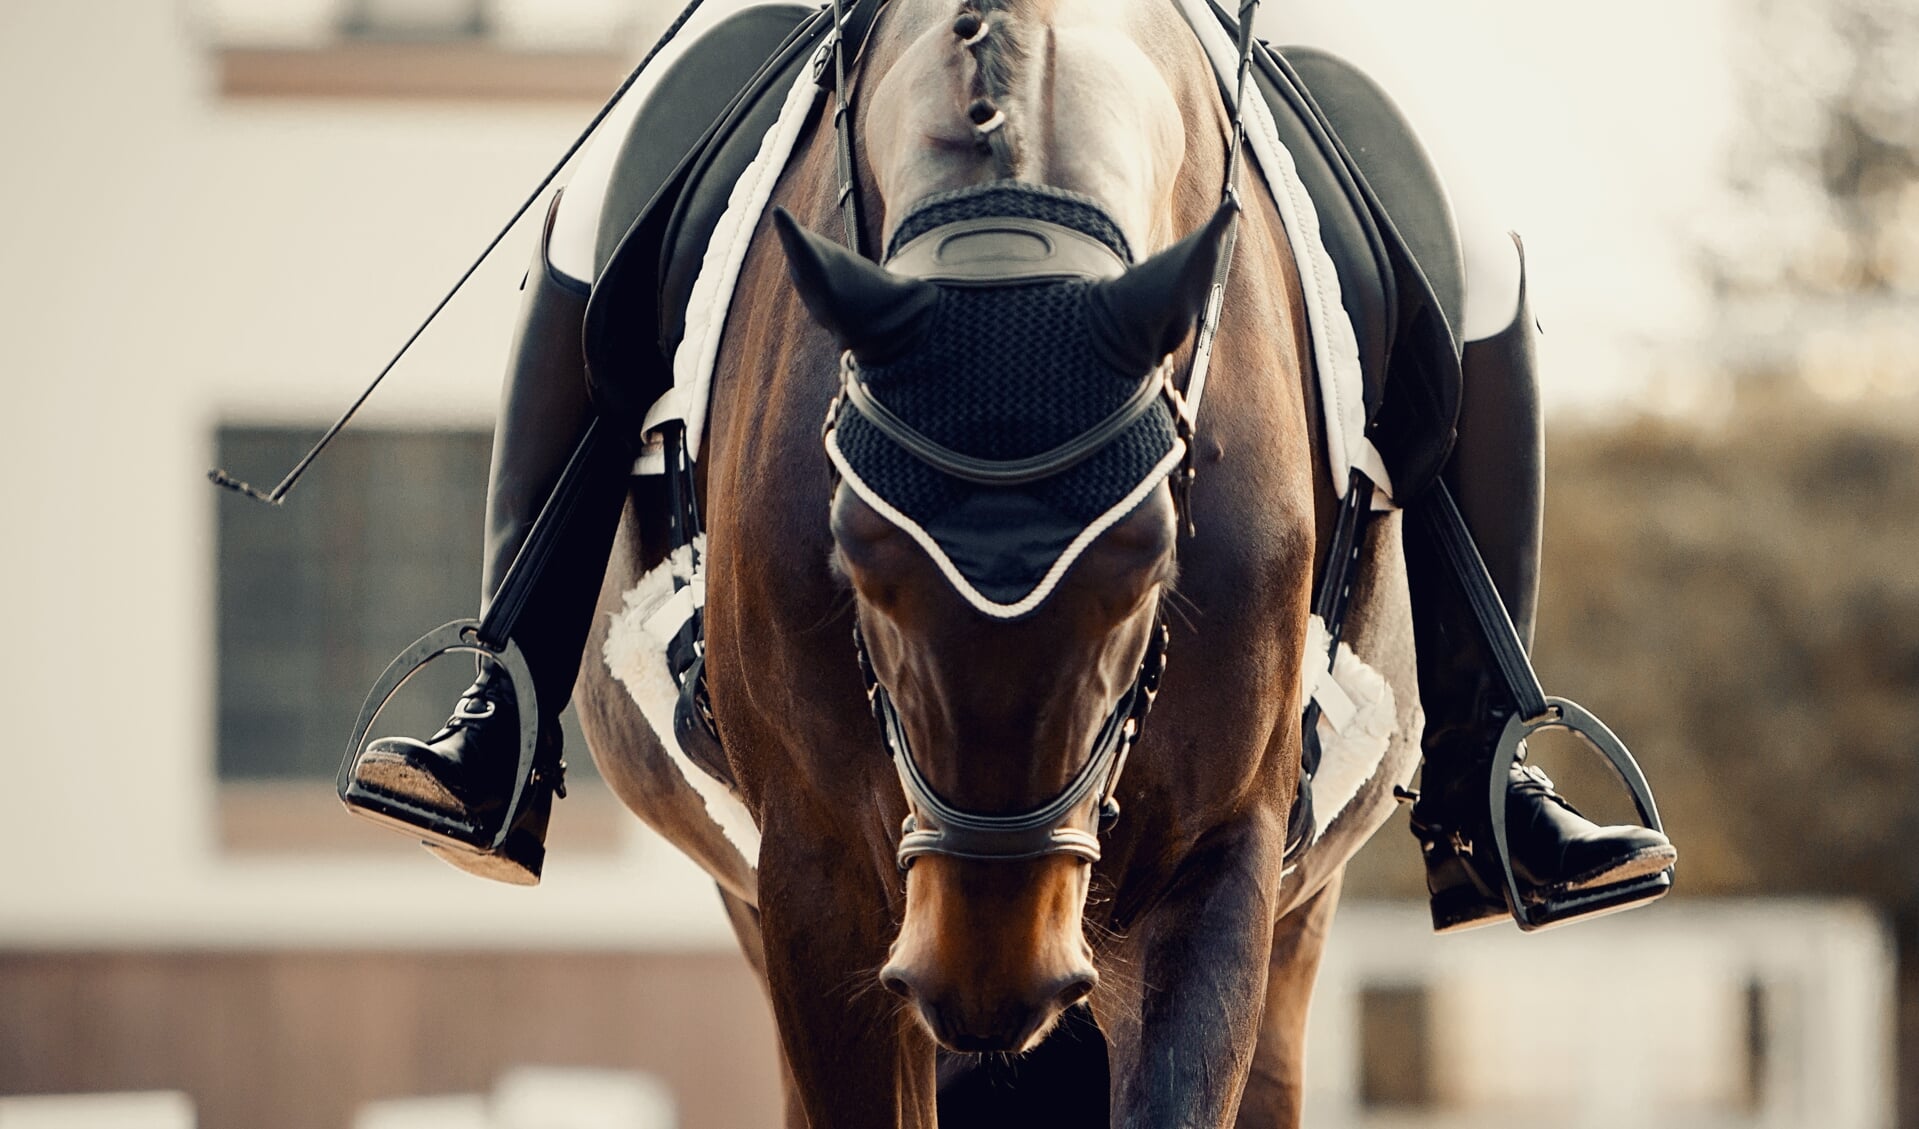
951	571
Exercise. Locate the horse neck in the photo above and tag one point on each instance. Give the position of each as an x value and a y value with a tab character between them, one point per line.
1099	97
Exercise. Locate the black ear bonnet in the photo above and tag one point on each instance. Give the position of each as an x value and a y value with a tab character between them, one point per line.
999	343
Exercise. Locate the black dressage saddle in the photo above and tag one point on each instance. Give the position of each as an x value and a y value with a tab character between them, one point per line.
1382	211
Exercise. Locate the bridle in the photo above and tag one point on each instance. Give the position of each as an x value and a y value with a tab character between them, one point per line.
936	827
933	826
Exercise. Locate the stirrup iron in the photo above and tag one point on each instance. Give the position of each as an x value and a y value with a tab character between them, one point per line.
1533	712
462	635
490	638
1576	905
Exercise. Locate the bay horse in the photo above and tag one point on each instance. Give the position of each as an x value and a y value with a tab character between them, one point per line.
1191	939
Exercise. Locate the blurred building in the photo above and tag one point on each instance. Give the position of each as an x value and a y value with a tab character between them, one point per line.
221	216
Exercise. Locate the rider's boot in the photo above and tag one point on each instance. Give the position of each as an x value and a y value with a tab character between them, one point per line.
463	775
1497	476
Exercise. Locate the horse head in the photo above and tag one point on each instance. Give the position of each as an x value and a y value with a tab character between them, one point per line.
1007	569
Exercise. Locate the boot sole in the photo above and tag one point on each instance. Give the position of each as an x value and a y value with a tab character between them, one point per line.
1632	881
1446	923
1586	906
452	839
517	863
1639	864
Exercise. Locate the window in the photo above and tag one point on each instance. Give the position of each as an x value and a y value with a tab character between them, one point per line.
442	20
428	49
380	544
1395	1042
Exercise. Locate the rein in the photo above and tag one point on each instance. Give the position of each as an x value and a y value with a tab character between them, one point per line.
934	826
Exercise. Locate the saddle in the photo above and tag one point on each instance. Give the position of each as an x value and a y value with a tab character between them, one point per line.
1382	212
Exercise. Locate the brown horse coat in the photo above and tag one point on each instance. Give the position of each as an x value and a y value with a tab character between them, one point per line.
1205	950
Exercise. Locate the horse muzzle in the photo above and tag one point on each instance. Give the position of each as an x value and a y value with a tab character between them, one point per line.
990	954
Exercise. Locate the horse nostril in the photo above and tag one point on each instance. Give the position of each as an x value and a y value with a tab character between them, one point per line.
1076	989
896	983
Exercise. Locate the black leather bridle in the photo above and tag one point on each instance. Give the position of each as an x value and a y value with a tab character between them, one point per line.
934	826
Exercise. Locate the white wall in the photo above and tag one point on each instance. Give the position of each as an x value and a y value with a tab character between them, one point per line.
172	261
1634	1020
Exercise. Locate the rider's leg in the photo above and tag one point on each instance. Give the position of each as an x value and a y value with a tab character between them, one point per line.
461	777
465	773
1497	475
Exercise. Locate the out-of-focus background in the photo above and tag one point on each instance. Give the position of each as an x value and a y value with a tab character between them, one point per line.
217	219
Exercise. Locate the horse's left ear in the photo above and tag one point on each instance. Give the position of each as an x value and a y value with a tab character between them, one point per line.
1141	316
867	308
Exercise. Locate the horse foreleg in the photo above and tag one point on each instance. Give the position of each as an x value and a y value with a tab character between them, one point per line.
855	1058
1183	1034
745	920
1275	1090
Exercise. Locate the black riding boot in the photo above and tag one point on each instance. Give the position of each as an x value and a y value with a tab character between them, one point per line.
1497	475
464	774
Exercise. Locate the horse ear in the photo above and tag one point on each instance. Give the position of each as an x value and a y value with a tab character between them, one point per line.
867	308
1141	316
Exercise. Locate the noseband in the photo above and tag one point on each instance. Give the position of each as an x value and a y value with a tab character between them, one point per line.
936	827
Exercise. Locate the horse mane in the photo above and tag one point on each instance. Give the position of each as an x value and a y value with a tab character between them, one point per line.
998	46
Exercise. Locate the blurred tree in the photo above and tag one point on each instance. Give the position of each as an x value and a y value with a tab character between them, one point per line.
1818	274
1743	605
1740	601
1827	167
1739	598
1817	263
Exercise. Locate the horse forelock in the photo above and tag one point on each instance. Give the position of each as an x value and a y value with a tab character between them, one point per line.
1096	96
998	45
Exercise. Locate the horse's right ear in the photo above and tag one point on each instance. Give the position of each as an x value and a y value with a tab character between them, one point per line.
867	308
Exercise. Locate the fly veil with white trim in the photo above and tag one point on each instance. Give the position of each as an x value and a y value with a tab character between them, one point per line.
1005	398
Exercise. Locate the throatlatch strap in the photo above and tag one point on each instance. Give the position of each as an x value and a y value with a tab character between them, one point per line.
1195	388
848	201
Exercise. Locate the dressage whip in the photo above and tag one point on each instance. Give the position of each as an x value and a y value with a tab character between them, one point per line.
277	495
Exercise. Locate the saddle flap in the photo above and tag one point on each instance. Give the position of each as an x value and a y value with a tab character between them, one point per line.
1402	295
